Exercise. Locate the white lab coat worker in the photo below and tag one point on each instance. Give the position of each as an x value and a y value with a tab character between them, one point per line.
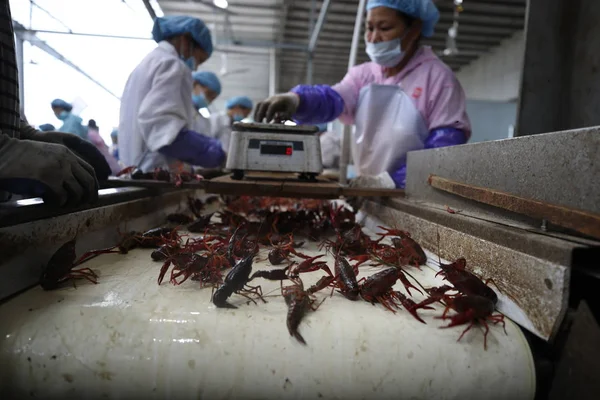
157	113
238	109
330	147
206	89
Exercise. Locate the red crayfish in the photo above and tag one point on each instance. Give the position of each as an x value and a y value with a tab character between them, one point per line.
472	309
282	250
236	281
409	252
298	301
61	264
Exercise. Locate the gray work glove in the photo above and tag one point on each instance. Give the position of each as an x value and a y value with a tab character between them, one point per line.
82	148
46	170
279	107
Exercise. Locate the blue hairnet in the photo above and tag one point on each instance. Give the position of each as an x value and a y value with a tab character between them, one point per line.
46	127
62	104
208	79
114	133
166	27
241	101
424	10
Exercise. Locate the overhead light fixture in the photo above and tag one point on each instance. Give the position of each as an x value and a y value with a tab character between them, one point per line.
221	3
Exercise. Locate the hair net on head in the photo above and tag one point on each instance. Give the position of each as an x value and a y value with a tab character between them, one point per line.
240	101
62	104
208	79
46	127
114	133
424	10
166	27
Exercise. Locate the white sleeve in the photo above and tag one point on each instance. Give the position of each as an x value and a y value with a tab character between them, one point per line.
202	125
225	139
162	113
215	123
224	126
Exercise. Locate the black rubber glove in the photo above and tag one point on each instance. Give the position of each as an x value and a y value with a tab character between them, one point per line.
46	170
84	149
279	107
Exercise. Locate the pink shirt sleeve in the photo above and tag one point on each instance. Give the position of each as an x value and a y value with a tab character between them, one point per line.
97	141
446	103
349	90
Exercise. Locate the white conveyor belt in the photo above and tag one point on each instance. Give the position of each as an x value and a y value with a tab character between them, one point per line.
127	337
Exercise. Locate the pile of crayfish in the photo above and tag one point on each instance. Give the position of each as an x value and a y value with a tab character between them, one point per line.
222	259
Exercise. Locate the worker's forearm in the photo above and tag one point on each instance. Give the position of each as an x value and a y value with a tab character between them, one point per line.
440	137
318	104
196	149
27	131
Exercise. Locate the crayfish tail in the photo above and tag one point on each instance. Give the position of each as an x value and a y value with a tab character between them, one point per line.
298	337
224	305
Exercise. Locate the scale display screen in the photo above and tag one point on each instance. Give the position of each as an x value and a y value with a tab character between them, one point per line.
276	150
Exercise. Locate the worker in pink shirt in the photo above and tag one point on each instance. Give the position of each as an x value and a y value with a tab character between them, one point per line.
405	99
96	139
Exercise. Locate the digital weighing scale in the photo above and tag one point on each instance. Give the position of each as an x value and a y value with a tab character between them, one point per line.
274	148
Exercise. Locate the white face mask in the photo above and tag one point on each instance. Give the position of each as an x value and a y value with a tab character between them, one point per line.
387	54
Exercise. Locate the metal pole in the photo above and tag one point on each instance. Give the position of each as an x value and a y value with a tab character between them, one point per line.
277	70
236	43
309	69
272	71
150	10
48	13
20	66
36	31
24	34
314	37
356	35
345	156
309	60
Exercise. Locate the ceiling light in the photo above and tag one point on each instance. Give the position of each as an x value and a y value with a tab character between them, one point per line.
221	3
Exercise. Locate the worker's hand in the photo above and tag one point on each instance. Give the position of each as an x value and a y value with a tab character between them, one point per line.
82	148
46	170
381	181
195	149
279	107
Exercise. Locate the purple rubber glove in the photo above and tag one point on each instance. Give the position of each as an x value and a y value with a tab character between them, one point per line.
318	104
440	137
195	149
399	176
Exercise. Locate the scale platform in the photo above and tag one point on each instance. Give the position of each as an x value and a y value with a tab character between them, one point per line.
274	148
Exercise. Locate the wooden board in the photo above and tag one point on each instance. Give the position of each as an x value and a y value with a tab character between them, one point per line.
578	220
266	184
